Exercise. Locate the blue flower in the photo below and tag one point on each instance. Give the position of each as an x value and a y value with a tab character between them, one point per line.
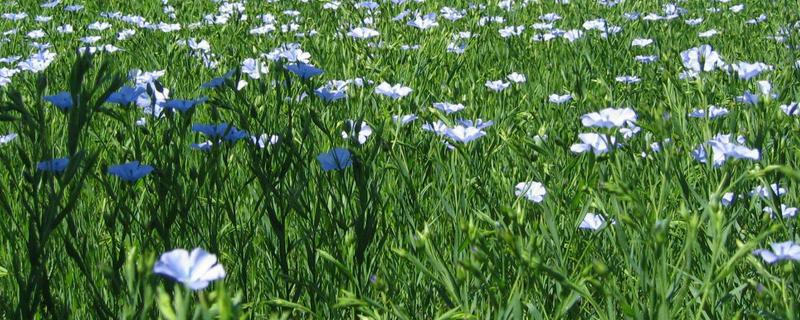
62	100
131	171
184	105
336	159
330	95
223	131
126	95
304	70
54	165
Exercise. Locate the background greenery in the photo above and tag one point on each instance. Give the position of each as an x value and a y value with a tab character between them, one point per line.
412	230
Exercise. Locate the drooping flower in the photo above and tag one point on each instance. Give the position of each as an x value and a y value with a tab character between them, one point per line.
131	171
195	270
335	159
780	251
532	190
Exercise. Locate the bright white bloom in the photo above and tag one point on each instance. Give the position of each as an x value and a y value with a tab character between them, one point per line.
609	118
641	42
424	22
701	59
531	190
396	91
363	132
7	138
195	270
516	77
592	222
597	143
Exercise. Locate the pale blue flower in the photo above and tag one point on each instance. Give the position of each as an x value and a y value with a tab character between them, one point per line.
125	95
195	270
780	251
534	191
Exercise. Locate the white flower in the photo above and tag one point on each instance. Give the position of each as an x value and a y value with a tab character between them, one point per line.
363	132
531	190
516	77
363	33
609	118
701	59
396	91
195	270
592	222
597	143
641	42
424	22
